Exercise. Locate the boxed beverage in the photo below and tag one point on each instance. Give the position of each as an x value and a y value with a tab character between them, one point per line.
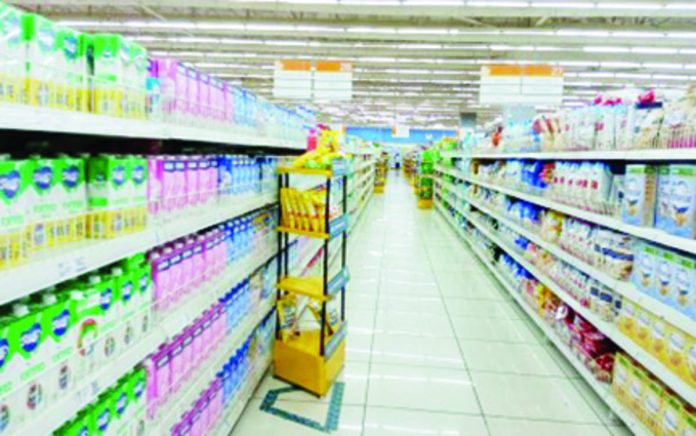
639	199
653	406
108	51
682	200
662	202
683	293
12	68
42	203
72	191
137	384
14	182
204	96
136	80
107	189
71	67
665	274
138	181
42	57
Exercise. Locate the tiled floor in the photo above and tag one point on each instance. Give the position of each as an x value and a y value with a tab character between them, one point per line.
435	346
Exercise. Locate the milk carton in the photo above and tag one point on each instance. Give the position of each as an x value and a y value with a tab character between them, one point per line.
137	383
665	275
662	203
14	180
155	171
12	69
122	408
140	309
110	53
101	288
682	296
682	200
639	200
43	203
194	105
204	96
71	69
72	192
138	192
645	267
135	80
42	57
107	189
103	414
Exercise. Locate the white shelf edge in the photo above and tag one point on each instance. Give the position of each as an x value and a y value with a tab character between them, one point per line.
656	367
602	391
89	389
36	119
35	275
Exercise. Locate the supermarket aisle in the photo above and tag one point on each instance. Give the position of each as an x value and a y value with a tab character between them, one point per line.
435	346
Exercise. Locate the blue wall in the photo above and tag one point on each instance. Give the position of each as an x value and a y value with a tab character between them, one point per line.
384	134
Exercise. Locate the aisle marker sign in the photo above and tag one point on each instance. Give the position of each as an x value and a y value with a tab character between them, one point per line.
321	80
292	79
505	85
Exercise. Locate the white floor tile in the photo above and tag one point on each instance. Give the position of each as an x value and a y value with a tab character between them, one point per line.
421	388
518	427
522	359
411	324
386	422
399	286
491	329
457	306
416	350
411	303
515	396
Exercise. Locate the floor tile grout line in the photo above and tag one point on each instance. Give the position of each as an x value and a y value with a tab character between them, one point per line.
546	342
459	347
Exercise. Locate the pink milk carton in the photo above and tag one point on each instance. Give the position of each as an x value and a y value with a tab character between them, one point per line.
219	96
212	179
219	325
151	389
208	334
193	180
216	404
198	346
204	182
210	255
161	278
155	168
180	185
204	95
168	185
187	354
187	267
193	79
174	85
176	363
176	268
220	251
199	261
197	421
162	376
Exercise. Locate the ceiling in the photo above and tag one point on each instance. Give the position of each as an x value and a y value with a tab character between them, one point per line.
415	62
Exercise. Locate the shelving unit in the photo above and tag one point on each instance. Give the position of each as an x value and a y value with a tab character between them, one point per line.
313	358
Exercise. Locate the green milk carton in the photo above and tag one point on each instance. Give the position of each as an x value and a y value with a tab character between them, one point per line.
12	80
109	60
137	383
107	316
72	70
8	405
87	313
135	79
137	310
103	414
43	204
137	193
42	59
122	407
13	202
82	425
27	368
107	189
85	93
72	191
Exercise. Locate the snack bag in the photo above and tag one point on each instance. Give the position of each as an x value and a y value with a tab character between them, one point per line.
675	356
653	405
682	296
665	274
620	381
663	200
658	339
639	198
643	274
672	417
644	322
638	385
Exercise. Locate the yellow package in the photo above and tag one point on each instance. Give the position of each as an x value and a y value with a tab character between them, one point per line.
310	211
287	314
627	318
303	207
643	328
638	385
690	361
621	380
672	417
676	351
653	405
658	339
286	209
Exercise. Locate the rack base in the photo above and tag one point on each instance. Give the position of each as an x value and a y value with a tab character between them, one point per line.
298	362
425	204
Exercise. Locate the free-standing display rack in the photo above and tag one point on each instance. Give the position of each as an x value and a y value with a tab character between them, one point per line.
312	359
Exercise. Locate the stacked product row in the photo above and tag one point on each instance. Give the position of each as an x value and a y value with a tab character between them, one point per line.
54	339
52	66
645	121
52	202
585	310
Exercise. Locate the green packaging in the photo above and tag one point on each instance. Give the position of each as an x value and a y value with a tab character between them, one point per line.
72	69
107	190
102	414
109	56
72	191
43	203
40	37
12	80
14	180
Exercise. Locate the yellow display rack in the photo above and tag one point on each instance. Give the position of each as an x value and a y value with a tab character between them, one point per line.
312	359
425	204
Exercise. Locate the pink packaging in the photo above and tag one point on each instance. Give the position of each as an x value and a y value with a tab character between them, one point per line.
197	420
204	95
205	410
193	91
175	269
169	185
204	182
208	334
198	345
210	255
216	404
155	168
176	364
212	179
161	278
174	85
218	326
181	193
151	390
187	267
193	180
162	375
187	354
199	260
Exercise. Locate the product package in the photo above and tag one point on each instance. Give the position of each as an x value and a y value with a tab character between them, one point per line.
639	198
682	201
